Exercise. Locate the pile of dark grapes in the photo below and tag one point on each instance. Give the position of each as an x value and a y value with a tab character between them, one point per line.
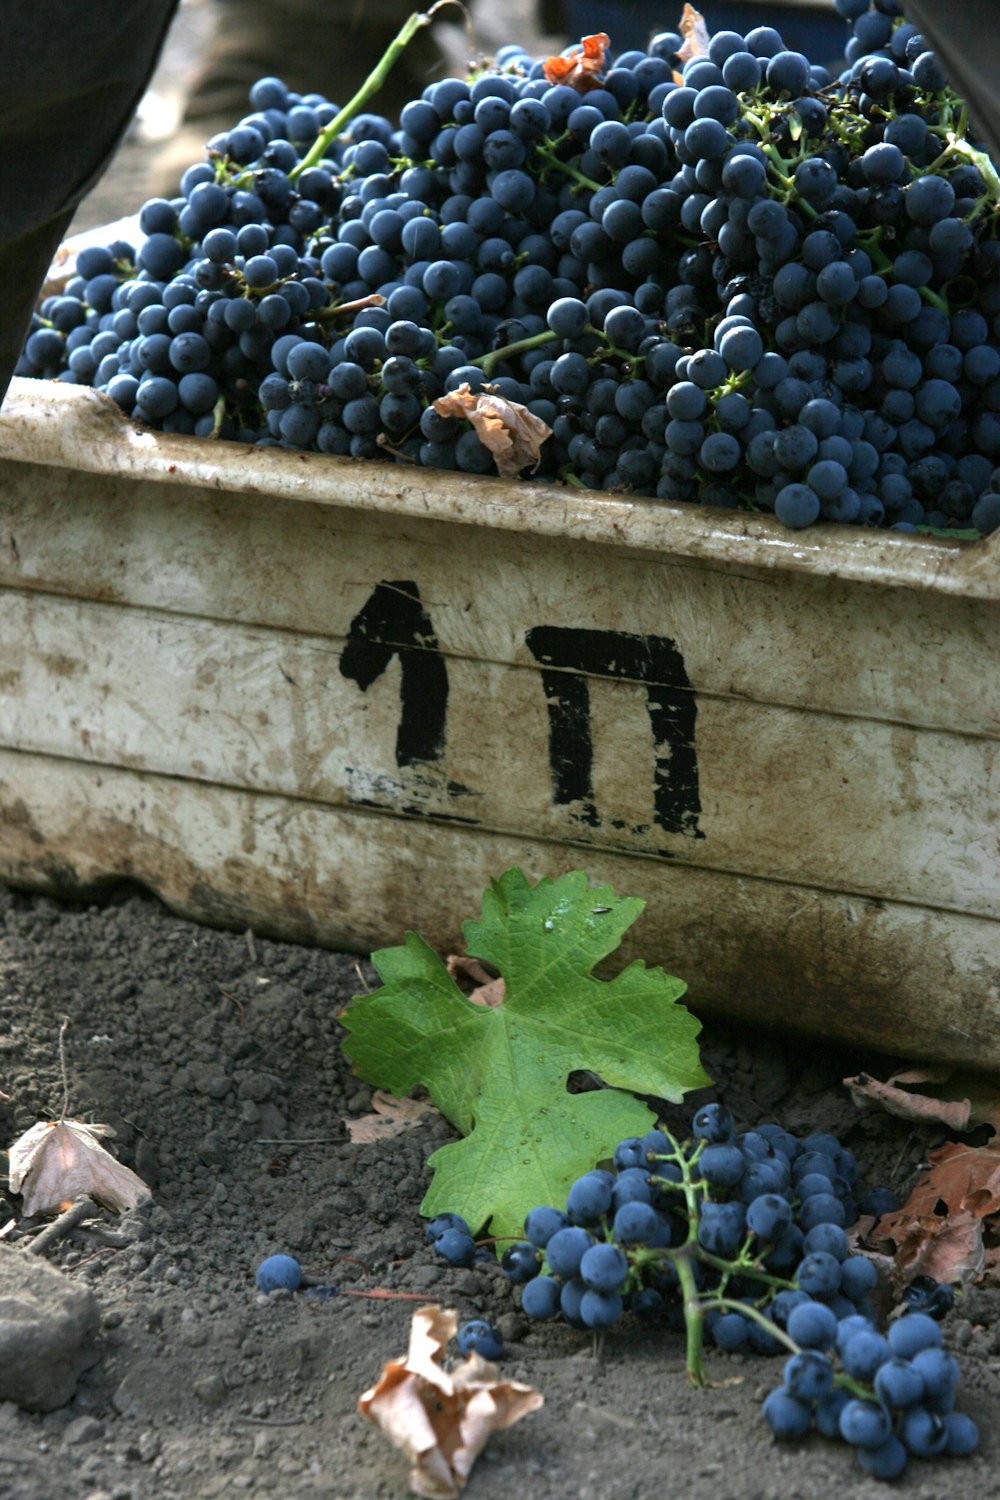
734	280
741	1237
888	1396
755	1219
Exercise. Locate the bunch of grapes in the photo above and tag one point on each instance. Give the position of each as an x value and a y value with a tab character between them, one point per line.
741	1237
740	1225
889	1397
725	278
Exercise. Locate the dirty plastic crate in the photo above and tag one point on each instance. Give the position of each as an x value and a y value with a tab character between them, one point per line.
329	699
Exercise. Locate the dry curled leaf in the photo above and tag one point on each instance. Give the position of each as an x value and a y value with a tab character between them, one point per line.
391	1116
939	1229
512	433
695	36
442	1419
961	1101
950	1249
54	1163
583	68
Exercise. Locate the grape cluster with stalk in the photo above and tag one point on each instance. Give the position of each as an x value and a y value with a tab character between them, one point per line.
741	1237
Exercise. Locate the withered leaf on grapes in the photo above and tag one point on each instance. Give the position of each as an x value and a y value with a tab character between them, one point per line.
512	433
583	69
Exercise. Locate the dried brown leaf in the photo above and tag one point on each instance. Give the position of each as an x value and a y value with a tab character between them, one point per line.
961	1101
939	1229
695	34
391	1116
861	1242
442	1419
512	433
583	68
486	988
949	1249
54	1163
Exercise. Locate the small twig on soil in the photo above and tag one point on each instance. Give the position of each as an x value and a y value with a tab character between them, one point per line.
5	1231
894	1174
83	1208
251	946
273	1421
235	999
104	1250
362	980
62	1066
107	1239
315	1140
380	1294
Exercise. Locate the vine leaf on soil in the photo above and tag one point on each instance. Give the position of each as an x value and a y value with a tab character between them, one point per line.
499	1073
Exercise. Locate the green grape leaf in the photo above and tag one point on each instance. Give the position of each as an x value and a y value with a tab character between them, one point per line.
499	1073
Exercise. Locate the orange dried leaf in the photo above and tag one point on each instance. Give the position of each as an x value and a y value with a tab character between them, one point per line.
512	433
391	1116
960	1177
54	1163
442	1419
948	1249
583	68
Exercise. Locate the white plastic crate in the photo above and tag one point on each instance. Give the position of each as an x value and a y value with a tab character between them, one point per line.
329	699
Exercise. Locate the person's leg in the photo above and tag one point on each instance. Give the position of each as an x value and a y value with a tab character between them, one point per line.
71	76
322	46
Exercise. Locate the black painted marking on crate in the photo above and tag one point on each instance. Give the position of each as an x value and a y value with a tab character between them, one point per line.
394	623
568	657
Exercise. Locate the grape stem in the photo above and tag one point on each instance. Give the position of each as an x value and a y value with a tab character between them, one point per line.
550	157
376	78
488	362
749	1311
218	417
743	1266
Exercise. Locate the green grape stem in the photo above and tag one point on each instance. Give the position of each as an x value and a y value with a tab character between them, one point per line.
749	1311
552	160
694	1317
488	362
376	78
218	417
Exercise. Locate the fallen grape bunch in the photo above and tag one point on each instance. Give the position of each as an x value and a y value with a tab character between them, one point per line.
741	1237
707	272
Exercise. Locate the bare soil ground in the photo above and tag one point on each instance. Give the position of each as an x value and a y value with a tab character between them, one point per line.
223	1076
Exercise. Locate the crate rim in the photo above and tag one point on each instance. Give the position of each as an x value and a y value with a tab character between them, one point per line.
54	424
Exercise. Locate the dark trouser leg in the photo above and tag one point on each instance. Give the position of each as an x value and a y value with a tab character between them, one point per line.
71	76
327	48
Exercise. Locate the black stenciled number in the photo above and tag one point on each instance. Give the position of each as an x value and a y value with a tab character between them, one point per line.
394	623
568	658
